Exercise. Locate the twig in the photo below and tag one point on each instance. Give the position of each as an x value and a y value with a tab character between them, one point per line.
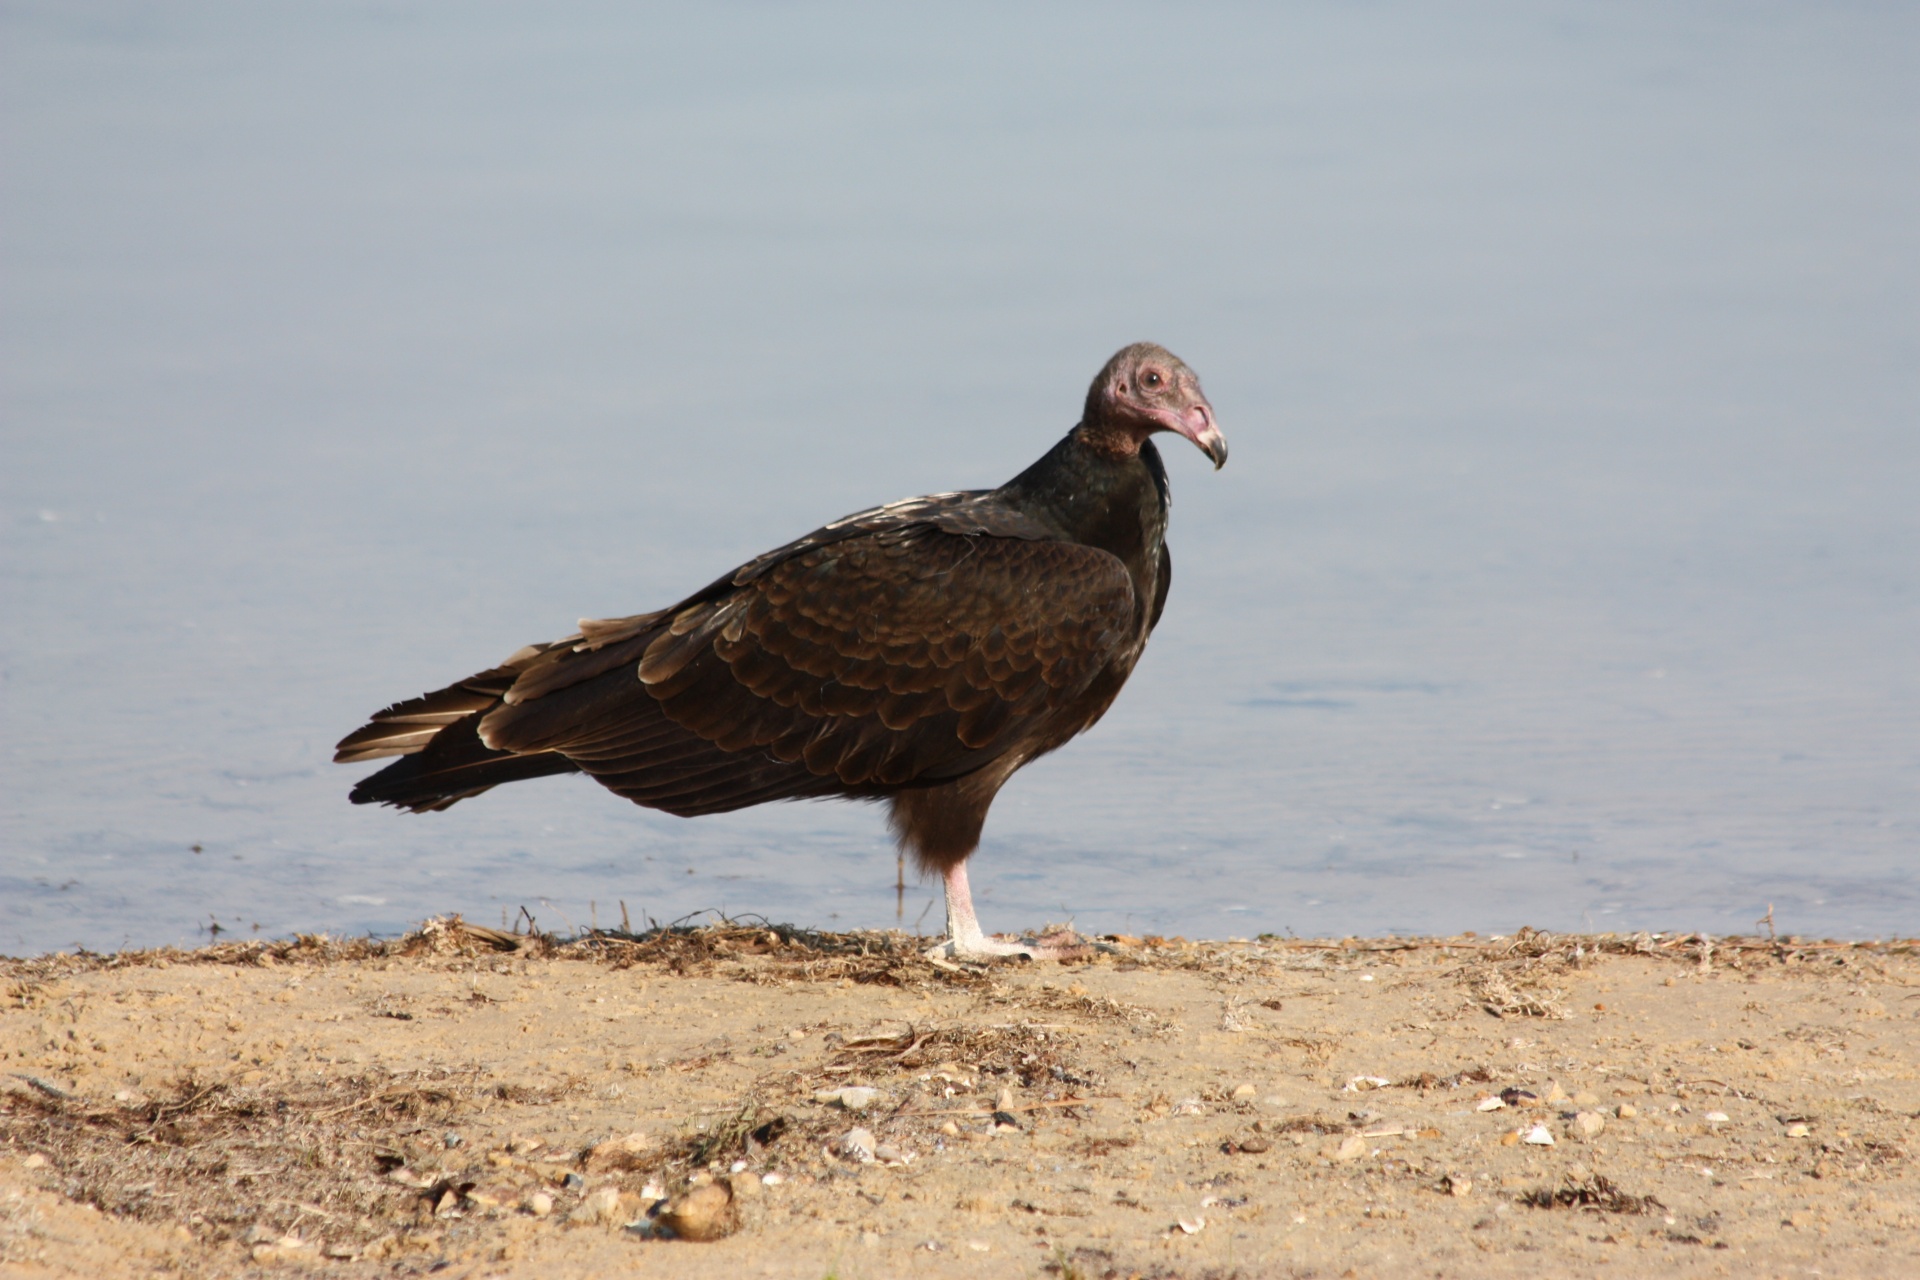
1025	1106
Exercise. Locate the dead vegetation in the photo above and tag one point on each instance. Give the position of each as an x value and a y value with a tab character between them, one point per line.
234	1160
1593	1193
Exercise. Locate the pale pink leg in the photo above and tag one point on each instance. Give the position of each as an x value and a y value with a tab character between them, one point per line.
965	941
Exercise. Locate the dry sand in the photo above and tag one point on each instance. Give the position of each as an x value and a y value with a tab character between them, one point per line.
470	1104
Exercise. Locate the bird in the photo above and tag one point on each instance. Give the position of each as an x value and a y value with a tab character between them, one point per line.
915	654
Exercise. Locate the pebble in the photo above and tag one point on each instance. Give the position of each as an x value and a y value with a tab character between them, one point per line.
704	1213
1459	1186
1626	1111
888	1154
1718	1117
1005	1101
1364	1084
853	1097
1489	1104
539	1204
1244	1093
1555	1094
600	1207
451	1140
525	1146
1192	1226
1253	1144
746	1186
1537	1136
1588	1124
858	1145
1798	1131
34	1161
1352	1148
1586	1099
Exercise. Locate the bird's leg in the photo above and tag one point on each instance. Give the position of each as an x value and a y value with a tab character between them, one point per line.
965	941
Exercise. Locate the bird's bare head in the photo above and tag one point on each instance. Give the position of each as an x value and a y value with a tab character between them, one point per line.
1144	389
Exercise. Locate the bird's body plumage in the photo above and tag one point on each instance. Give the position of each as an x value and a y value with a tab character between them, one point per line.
917	653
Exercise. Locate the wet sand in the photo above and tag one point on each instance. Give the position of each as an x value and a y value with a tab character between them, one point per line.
473	1104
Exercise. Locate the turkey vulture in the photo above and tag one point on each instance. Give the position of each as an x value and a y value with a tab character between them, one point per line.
917	653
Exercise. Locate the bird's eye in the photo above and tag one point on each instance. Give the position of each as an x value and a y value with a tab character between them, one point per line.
1151	378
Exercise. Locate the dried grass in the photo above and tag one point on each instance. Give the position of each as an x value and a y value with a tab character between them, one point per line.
298	1159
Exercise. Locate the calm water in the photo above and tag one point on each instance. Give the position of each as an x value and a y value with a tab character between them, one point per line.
1566	573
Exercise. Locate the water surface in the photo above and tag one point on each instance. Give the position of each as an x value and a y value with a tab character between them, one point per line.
1566	573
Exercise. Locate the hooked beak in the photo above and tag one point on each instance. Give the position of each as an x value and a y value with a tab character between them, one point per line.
1196	423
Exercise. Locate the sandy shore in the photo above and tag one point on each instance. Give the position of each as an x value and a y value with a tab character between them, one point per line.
472	1104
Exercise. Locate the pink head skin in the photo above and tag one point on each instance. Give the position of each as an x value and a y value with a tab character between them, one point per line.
1144	389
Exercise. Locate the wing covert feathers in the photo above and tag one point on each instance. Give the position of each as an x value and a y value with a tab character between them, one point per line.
905	647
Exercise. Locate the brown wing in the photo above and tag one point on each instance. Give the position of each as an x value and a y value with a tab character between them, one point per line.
878	658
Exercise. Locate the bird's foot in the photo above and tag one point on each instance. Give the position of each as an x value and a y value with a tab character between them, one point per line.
1055	944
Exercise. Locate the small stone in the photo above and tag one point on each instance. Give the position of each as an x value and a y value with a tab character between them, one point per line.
851	1097
951	1129
1365	1084
1191	1226
1555	1094
1717	1117
858	1145
525	1146
602	1206
34	1161
1457	1186
259	1233
1586	1099
1352	1148
746	1186
796	1034
1245	1093
1537	1136
1798	1130
1800	1219
1253	1144
1510	1138
1489	1104
539	1204
886	1153
870	1239
772	1179
450	1140
1005	1102
408	1178
1588	1124
703	1213
573	1182
1626	1111
487	1197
